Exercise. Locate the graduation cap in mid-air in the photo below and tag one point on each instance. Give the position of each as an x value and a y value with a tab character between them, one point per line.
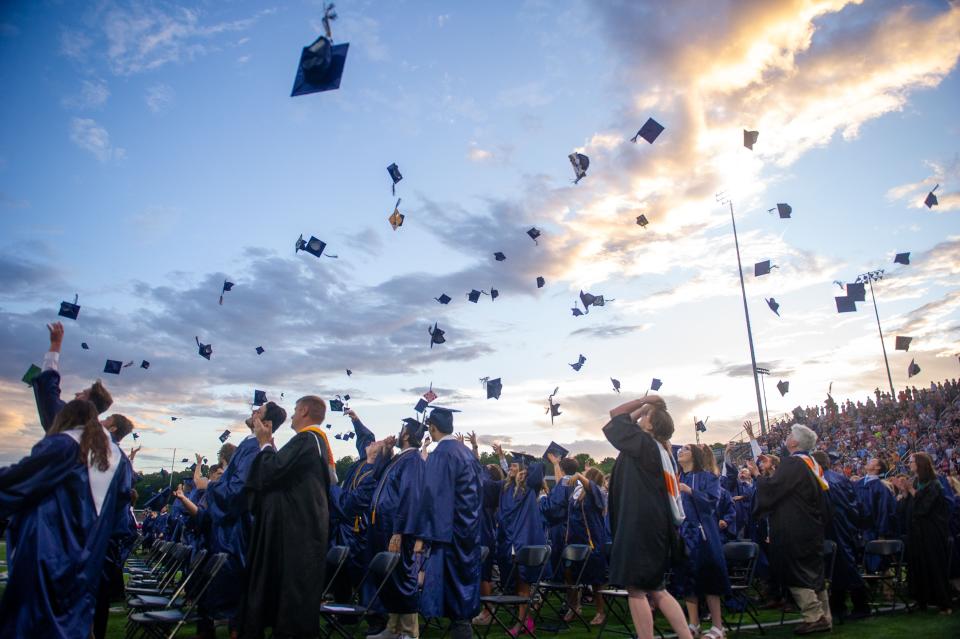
436	335
553	408
576	310
750	138
534	233
136	435
444	298
913	369
642	220
587	299
783	387
336	404
498	256
173	419
616	384
579	363
903	343
857	292
650	131
204	350
259	397
395	176
494	294
68	310
772	303
84	346
184	461
260	350
227	286
845	304
32	373
931	199
494	388
540	281
422	405
396	218
580	164
655	384
321	63
782	209
314	247
700	424
902	258
349	372
430	395
338	436
112	367
144	364
762	268
555	449
473	296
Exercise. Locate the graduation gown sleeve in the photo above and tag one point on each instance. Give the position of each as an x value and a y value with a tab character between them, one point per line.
46	390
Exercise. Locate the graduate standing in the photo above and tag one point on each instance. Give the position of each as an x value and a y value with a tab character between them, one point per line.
448	527
879	508
392	526
64	502
286	561
586	526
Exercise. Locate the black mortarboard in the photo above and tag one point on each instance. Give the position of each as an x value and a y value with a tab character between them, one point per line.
259	397
314	247
422	405
914	369
184	461
523	459
349	372
587	299
553	408
158	501
346	398
762	268
580	164
436	335
555	449
783	387
473	296
931	199
494	388
68	310
701	425
499	256
903	343
205	350
642	220
540	281
413	428
579	364
650	131
772	303
857	292
32	373
396	218
113	367
320	68
173	419
783	210
902	258
534	233
616	384
338	436
442	418
494	294
336	404
144	364
395	175
576	311
136	435
750	138
655	384
260	350
443	299
845	304
84	346
227	286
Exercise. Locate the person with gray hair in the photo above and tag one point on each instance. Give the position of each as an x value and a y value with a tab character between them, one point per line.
795	500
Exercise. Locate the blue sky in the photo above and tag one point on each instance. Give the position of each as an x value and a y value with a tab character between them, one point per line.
149	150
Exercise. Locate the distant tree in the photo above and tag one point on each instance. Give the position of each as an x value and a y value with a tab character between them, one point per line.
489	458
343	465
606	466
585	460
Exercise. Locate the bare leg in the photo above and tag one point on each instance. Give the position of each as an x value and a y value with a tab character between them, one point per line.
693	611
641	614
673	613
523	590
716	613
601	609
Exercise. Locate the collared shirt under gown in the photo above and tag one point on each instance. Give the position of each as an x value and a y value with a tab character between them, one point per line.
286	562
393	511
640	518
57	541
449	521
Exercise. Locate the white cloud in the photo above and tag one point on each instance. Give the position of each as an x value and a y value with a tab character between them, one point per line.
159	97
443	19
75	44
945	175
90	136
93	94
476	154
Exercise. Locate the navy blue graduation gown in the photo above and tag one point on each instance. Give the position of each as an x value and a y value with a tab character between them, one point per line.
449	521
727	512
393	511
488	528
705	572
843	530
350	503
56	540
879	508
46	390
585	525
555	513
521	523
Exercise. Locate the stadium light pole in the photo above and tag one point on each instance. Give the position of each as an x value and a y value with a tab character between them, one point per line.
869	278
766	407
723	199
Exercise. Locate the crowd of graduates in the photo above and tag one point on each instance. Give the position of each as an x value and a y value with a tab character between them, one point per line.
463	533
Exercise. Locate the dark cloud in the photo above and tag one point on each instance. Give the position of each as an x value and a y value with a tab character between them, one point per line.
775	367
609	331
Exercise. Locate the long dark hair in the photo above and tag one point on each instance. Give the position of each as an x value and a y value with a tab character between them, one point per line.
925	470
94	444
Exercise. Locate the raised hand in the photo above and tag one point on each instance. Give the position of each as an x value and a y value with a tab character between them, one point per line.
56	336
133	453
261	431
352	414
473	439
198	457
459	437
748	426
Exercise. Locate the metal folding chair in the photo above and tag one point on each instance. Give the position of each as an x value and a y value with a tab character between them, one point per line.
573	555
529	557
380	569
